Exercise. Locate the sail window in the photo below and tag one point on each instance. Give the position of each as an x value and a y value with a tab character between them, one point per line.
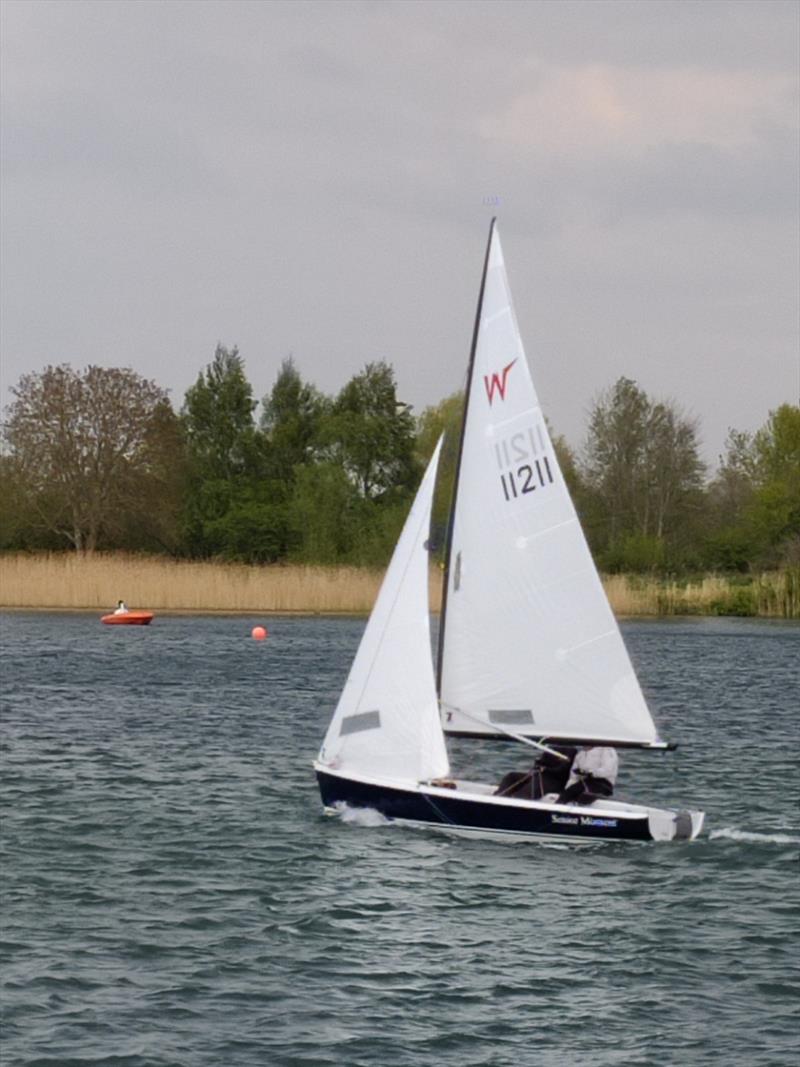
457	575
366	720
511	716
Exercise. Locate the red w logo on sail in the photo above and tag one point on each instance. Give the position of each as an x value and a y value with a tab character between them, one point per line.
498	383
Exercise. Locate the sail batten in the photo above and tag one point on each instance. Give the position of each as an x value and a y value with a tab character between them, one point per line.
525	621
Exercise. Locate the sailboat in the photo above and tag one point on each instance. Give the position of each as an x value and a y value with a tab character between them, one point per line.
528	647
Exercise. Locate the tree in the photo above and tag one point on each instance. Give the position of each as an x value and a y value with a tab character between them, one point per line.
372	434
228	493
777	445
79	441
643	476
159	485
613	456
218	417
290	421
20	525
733	486
323	513
775	509
754	499
674	470
253	528
568	462
730	541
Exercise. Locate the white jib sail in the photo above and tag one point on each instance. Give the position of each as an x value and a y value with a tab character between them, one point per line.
387	724
530	643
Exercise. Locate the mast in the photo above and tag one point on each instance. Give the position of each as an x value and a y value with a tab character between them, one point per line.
468	390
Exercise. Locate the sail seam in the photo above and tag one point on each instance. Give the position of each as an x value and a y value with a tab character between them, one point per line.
591	641
497	315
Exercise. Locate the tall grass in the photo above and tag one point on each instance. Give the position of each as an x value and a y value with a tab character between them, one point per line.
96	583
99	581
770	595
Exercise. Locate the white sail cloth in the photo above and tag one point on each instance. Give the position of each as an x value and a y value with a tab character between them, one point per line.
387	720
530	644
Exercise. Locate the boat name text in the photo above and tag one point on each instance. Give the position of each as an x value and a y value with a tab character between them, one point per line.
583	820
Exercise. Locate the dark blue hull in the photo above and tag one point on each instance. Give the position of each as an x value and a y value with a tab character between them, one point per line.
447	808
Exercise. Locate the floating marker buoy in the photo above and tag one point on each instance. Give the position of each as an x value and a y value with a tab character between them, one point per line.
258	633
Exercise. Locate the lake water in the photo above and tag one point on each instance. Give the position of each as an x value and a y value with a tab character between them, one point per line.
172	894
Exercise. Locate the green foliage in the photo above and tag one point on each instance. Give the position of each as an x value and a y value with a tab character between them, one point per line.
568	462
291	422
738	600
754	500
218	419
322	514
225	465
777	444
775	510
641	478
779	594
158	487
729	549
21	525
99	459
378	527
252	529
371	434
635	553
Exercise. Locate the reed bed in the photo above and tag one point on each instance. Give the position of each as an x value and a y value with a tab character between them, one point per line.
96	583
99	581
771	595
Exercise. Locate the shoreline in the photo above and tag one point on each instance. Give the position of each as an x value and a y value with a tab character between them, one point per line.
270	613
238	613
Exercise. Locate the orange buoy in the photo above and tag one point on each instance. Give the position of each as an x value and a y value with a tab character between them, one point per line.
258	633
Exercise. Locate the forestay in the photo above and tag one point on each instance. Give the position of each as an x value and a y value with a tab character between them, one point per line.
387	720
530	644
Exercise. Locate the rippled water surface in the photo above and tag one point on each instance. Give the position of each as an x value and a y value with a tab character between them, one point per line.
172	894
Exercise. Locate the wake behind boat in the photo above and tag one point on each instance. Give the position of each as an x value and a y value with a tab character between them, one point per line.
529	649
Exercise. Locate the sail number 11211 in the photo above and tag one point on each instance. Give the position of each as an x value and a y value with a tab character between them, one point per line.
526	478
522	462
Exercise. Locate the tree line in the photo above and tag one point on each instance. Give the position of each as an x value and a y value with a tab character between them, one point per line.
99	460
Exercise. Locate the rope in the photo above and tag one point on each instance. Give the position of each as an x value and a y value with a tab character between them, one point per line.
441	814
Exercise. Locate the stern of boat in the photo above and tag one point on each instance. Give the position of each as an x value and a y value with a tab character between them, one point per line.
675	825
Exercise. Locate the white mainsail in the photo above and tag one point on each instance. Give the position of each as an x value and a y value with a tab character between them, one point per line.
387	719
529	642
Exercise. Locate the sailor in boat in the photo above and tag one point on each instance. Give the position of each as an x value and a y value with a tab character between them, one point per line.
549	775
121	609
592	775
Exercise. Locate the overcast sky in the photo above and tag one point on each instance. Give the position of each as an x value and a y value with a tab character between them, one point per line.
312	178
